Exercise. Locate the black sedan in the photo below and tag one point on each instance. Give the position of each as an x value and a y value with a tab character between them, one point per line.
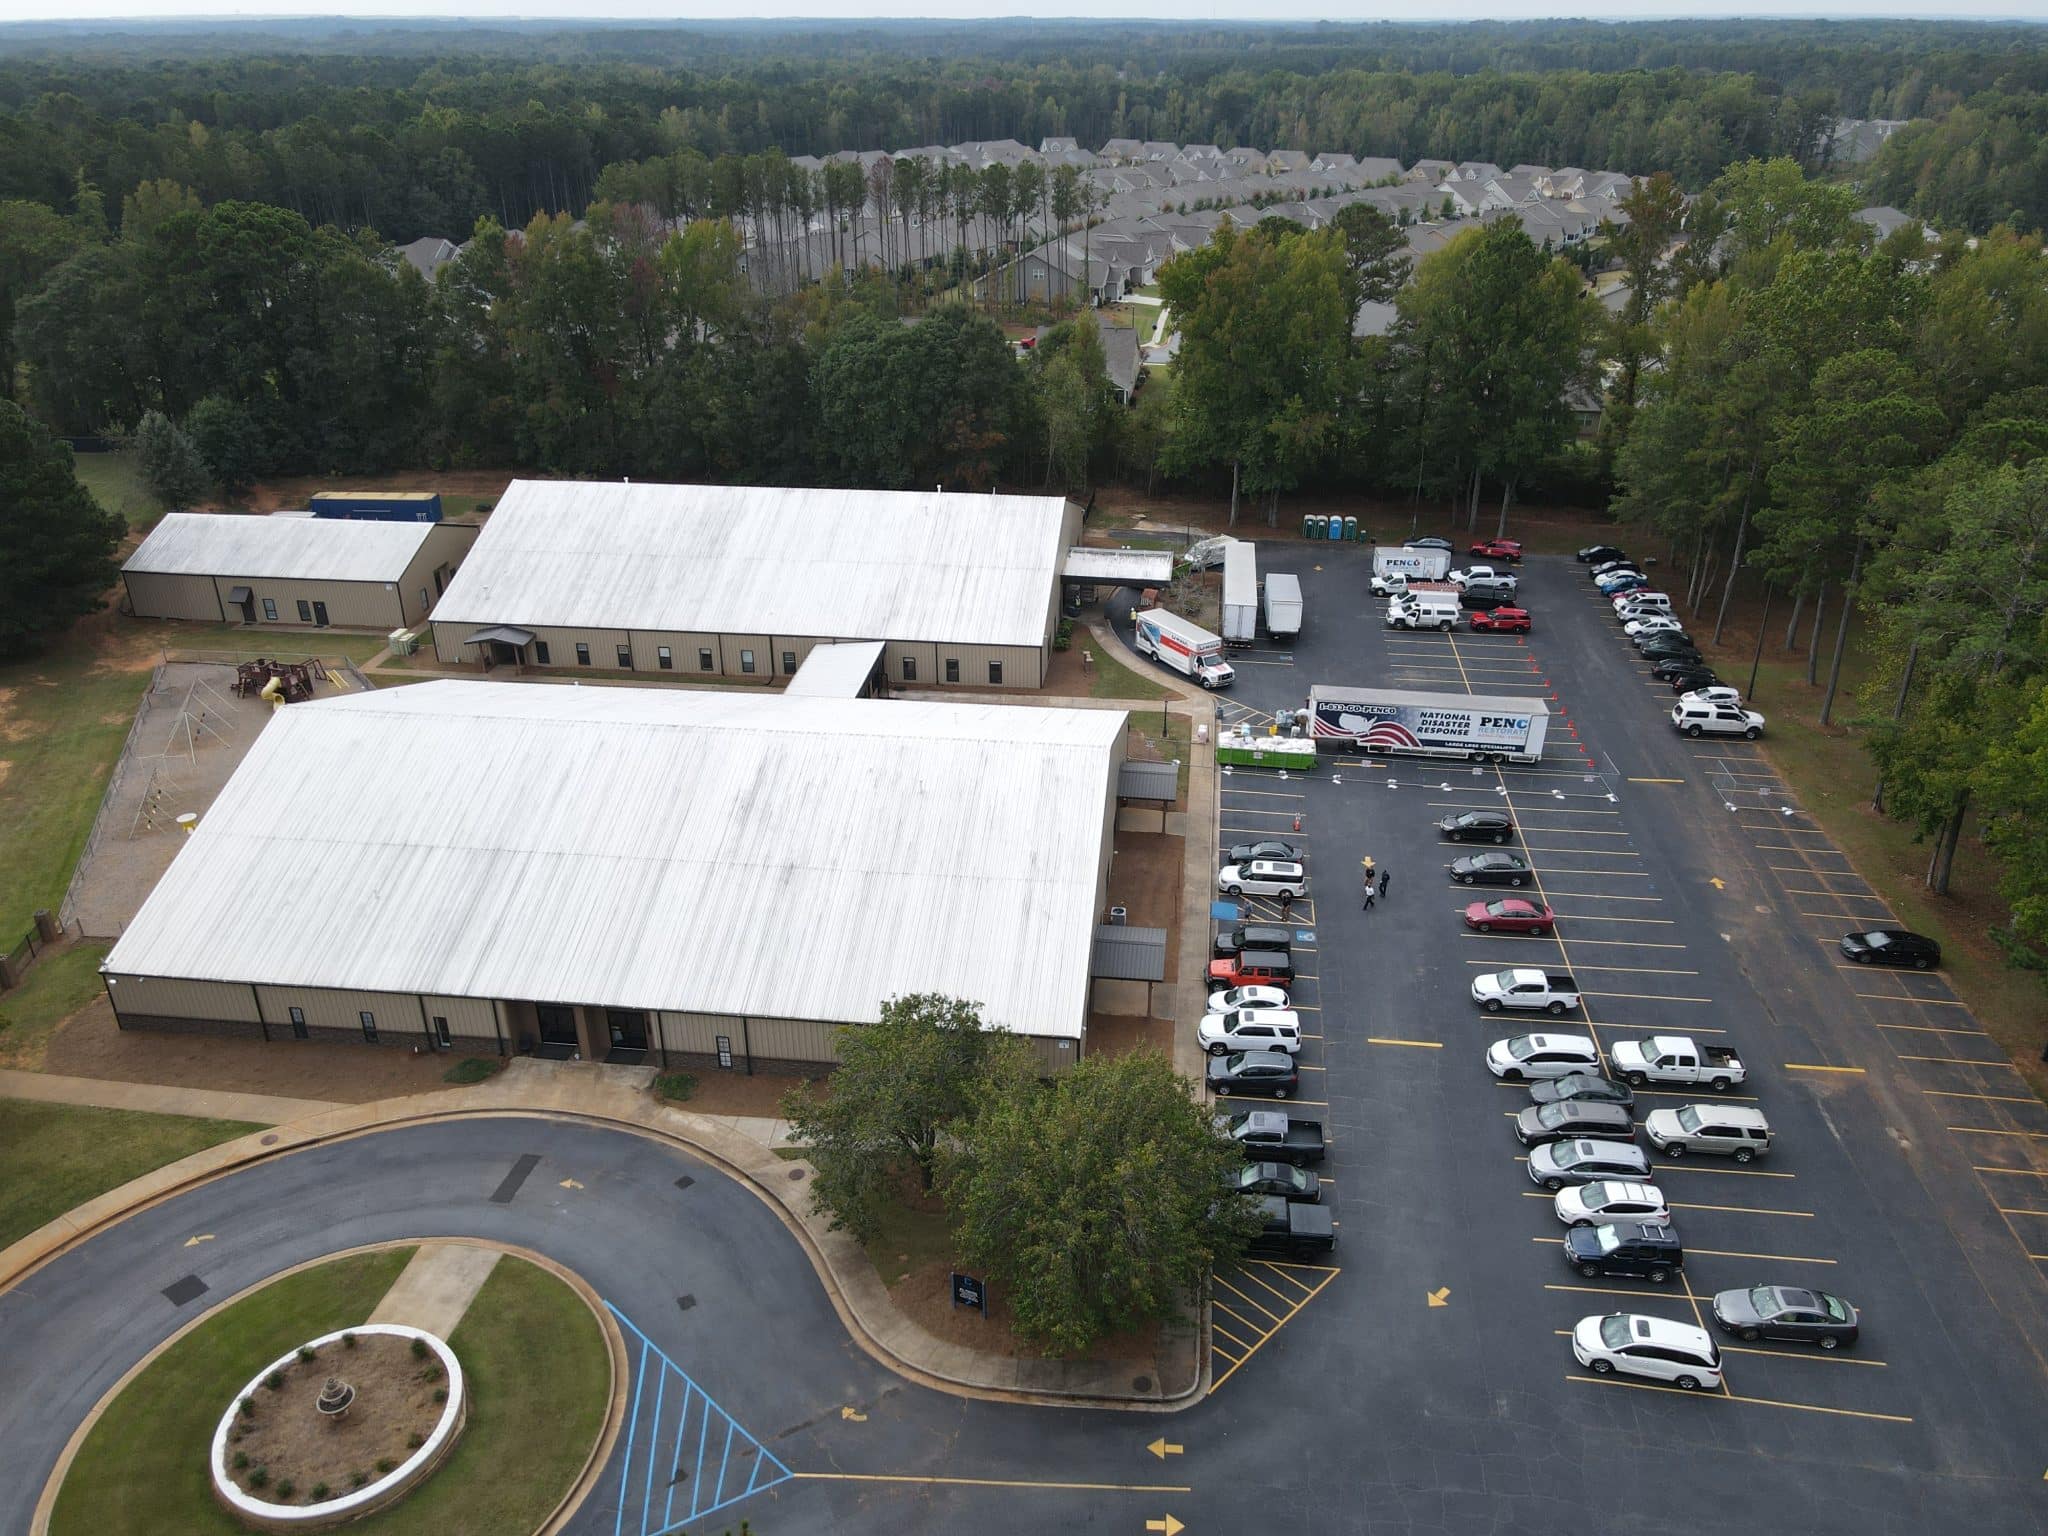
1490	869
1241	1072
1288	1182
1246	853
1443	544
1786	1312
1684	676
1669	647
1599	554
1892	946
1582	1088
1478	827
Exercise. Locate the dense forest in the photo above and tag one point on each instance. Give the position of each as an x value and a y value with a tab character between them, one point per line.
417	130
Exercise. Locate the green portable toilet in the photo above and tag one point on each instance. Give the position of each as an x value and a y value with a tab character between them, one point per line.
1307	526
1319	527
1351	530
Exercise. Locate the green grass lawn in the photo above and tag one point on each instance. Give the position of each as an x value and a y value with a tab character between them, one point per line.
56	987
116	484
534	1360
1169	743
61	1155
1109	678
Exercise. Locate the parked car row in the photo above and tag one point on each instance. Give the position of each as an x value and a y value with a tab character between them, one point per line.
1706	706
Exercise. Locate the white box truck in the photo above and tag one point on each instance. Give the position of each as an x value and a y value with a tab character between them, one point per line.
1187	648
1240	593
1423	610
1413	564
1461	725
1283	607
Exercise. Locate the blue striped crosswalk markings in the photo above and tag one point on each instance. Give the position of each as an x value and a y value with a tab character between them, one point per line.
684	1457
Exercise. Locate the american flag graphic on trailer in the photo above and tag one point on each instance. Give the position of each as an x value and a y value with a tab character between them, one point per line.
1368	731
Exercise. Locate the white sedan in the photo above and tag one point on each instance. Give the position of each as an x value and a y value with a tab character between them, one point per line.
1231	999
1650	624
1604	1200
1719	694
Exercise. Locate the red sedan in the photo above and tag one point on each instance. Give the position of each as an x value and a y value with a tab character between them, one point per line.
1509	550
1502	620
1509	915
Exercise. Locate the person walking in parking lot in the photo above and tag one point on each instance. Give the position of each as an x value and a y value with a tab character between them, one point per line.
1385	880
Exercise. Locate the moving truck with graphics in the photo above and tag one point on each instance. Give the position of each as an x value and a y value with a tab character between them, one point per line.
1460	725
1187	648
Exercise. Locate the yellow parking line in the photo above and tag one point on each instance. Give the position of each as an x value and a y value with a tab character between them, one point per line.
1268	794
1907	997
2031	1173
1649	997
1798	890
1985	1130
1216	1327
1927	1029
2007	1210
1427	1045
1589	852
1960	1061
1255	1305
1656	781
1995	1098
1588	917
1597	896
1807	1066
1765	1402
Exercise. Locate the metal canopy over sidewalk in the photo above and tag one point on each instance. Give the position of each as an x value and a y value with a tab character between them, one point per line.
1158	782
1129	954
507	634
1119	567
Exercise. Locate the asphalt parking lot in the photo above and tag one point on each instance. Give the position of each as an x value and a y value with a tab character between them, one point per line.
1909	1172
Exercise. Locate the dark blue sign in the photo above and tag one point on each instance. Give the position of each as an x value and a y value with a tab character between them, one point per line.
970	1292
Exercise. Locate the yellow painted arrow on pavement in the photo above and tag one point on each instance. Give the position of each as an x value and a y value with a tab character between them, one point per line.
194	1242
570	1184
1717	882
852	1414
1163	1448
1440	1297
1171	1526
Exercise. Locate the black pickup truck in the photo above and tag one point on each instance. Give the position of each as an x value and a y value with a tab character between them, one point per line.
1292	1231
1239	936
1267	1136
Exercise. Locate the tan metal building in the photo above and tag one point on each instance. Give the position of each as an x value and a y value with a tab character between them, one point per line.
737	583
232	568
726	880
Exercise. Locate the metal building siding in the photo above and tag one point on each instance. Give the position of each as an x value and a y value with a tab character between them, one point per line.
559	844
1020	666
176	997
164	595
875	565
350	604
790	1039
396	1013
278	548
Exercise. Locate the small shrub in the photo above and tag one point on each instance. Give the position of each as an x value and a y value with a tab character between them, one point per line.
241	1461
259	1477
348	1341
357	1478
274	1381
415	1440
471	1069
440	1394
287	1489
306	1355
319	1493
674	1085
419	1349
384	1466
248	1407
432	1373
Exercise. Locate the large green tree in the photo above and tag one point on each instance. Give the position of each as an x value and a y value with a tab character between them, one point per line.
1095	1200
60	544
905	1083
170	465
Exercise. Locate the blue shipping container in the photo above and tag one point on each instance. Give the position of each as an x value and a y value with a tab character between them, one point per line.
380	506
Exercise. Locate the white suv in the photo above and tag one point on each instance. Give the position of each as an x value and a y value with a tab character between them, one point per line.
1637	604
1720	693
1653	1347
1262	877
1250	1029
1716	719
1603	1200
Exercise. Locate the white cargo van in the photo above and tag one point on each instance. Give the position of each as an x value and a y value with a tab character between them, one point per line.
1423	610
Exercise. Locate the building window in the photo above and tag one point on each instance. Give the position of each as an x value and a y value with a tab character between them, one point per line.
369	1025
789	661
305	610
298	1023
540	652
995	671
423	597
625	658
952	669
441	1032
746	661
270	609
582	654
910	669
704	661
663	659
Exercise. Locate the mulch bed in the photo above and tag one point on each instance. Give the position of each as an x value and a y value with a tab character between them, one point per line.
290	1439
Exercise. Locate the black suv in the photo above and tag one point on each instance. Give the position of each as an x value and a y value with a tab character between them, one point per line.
1239	936
1478	827
1685	674
1485	594
1625	1248
1669	647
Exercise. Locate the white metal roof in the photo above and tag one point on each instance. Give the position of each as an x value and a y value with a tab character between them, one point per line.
1150	567
836	671
720	559
281	548
1241	574
735	853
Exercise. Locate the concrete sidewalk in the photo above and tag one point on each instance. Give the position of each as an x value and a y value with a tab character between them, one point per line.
437	1286
203	1103
740	1145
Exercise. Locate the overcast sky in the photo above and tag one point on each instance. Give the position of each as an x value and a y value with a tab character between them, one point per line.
1261	10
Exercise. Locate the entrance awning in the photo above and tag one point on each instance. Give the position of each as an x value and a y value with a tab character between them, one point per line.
1121	567
504	634
239	595
1148	781
1129	954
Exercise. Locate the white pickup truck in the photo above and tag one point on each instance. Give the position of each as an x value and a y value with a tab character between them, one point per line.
1676	1059
1548	991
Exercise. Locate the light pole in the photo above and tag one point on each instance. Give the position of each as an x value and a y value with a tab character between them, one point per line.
1756	657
